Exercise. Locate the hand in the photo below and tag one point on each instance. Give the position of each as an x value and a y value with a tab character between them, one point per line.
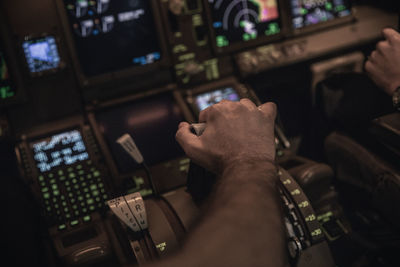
236	132
383	66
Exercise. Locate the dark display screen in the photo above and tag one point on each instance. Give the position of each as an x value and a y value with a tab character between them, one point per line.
41	54
111	35
244	20
204	100
310	12
7	89
152	123
59	150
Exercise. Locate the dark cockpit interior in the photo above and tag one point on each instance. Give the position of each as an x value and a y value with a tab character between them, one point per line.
76	76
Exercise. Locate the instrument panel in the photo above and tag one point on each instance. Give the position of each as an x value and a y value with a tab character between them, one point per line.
141	67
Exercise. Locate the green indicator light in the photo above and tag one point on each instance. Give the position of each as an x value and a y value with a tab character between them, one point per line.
74	223
340	8
45	189
62	227
273	28
96	174
46	195
146	192
246	37
95	193
6	92
328	6
304	11
86	218
56	192
222	41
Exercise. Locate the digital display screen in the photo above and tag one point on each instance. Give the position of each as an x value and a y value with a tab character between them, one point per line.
7	89
111	35
244	20
204	100
58	150
41	54
311	12
152	123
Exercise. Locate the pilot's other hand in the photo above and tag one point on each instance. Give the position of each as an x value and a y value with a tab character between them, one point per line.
236	133
383	65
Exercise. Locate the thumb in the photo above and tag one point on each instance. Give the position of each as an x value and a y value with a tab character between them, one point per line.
187	140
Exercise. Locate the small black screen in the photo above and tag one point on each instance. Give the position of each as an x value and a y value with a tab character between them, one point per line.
204	100
41	54
152	123
111	35
310	12
59	150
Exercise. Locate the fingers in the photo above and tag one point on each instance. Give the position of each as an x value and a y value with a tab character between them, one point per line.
248	103
390	34
269	110
188	141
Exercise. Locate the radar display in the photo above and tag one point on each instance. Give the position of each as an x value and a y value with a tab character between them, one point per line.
244	20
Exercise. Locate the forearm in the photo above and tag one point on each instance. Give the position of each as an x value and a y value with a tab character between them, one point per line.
243	224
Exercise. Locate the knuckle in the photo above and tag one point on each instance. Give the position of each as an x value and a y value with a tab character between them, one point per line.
380	46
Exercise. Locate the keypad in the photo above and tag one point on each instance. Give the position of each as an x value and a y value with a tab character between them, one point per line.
72	193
